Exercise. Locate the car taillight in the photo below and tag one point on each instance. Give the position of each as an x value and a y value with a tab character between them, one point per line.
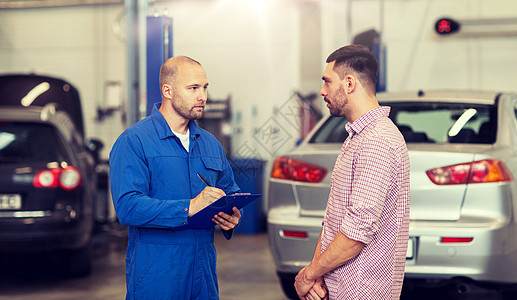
46	178
290	169
70	178
448	240
294	234
67	178
488	170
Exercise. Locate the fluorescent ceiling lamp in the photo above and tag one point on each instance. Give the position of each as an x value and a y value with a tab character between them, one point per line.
34	93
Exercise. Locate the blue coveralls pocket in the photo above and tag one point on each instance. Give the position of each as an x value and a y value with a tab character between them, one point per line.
214	163
214	166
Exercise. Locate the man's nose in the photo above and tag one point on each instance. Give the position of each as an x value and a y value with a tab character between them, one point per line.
323	92
203	96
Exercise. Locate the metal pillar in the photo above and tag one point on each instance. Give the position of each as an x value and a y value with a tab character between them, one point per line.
131	7
159	49
136	11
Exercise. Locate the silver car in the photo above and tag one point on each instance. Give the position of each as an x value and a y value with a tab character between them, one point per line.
463	154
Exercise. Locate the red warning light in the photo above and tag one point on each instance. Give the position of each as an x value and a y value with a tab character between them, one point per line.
446	26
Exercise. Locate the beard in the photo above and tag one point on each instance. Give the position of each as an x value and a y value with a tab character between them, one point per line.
184	110
337	107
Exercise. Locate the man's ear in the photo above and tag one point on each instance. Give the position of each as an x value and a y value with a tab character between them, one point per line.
167	91
350	83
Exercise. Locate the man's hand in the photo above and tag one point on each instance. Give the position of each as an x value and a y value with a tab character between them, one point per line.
308	289
226	221
318	291
302	284
207	196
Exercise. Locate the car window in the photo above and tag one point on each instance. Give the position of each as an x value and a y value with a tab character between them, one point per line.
446	122
433	122
29	142
332	131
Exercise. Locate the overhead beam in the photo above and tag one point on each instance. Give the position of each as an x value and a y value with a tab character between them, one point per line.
5	4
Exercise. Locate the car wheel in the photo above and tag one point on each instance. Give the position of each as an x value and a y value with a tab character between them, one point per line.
80	261
288	288
466	289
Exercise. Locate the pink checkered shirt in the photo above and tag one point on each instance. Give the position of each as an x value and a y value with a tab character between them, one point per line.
369	202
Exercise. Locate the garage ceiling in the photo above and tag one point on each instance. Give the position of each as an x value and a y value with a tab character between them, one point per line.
52	3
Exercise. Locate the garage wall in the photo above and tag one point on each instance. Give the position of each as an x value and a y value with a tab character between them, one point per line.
250	51
260	52
417	58
73	43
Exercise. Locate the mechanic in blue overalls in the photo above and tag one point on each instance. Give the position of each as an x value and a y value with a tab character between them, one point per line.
155	187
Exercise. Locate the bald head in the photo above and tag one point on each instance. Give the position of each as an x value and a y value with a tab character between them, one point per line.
170	67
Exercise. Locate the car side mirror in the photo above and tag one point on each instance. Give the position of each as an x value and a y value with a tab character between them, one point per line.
95	146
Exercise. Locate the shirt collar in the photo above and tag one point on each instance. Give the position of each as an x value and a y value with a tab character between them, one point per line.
163	129
358	125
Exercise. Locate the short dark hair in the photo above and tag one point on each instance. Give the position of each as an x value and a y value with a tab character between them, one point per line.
356	59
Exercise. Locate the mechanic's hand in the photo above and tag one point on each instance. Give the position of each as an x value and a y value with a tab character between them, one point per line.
226	221
207	196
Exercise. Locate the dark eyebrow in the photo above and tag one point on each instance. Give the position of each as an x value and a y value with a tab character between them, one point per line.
325	78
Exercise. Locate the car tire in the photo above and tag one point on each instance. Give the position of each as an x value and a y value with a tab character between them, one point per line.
79	261
288	288
466	289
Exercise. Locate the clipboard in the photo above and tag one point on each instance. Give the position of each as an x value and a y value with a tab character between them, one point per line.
203	218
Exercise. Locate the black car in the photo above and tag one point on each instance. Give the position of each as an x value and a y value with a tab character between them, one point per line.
48	180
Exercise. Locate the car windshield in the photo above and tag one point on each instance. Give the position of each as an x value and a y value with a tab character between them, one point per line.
429	122
29	142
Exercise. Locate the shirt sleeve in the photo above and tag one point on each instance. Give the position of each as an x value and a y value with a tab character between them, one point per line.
129	181
372	177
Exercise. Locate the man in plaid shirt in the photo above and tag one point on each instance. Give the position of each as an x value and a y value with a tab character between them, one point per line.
361	251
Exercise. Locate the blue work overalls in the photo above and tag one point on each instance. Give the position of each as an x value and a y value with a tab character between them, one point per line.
153	178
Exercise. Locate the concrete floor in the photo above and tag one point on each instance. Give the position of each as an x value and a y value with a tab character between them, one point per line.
245	271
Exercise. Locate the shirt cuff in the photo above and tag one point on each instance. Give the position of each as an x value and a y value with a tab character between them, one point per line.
357	229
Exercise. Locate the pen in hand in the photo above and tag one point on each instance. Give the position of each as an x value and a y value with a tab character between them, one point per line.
203	178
